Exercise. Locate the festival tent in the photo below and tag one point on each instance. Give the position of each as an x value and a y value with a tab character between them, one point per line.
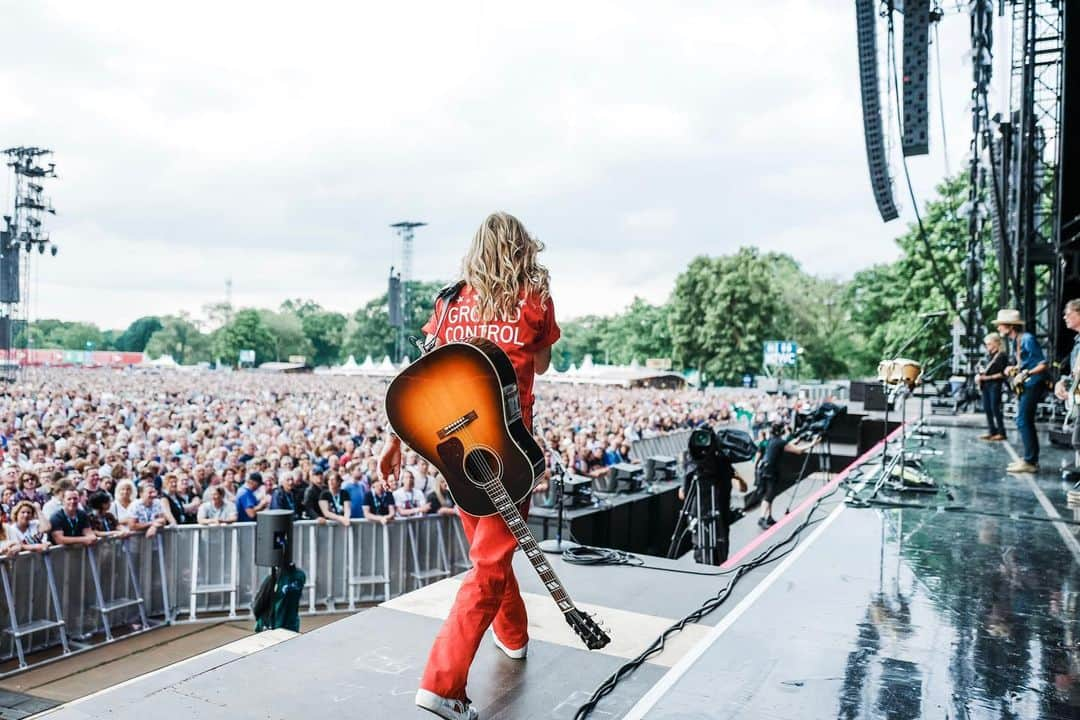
165	362
632	375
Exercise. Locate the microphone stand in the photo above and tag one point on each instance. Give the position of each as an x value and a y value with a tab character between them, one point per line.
558	545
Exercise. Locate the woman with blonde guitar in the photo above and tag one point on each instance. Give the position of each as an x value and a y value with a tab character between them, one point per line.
991	382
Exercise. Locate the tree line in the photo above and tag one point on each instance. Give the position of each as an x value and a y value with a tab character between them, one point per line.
720	312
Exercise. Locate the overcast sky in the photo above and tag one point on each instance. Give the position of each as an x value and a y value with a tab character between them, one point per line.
274	143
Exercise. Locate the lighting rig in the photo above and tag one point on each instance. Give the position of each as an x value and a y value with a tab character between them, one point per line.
22	232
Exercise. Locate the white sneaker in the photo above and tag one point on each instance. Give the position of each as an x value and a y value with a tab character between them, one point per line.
518	654
445	707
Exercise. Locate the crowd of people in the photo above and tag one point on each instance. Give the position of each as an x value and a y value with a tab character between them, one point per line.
86	454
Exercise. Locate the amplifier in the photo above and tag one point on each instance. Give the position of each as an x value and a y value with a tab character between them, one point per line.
624	478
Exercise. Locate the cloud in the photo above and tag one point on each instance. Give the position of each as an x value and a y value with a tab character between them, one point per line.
274	143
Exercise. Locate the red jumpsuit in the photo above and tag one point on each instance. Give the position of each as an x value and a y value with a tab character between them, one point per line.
489	594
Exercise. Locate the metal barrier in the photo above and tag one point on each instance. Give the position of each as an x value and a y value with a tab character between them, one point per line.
672	444
75	598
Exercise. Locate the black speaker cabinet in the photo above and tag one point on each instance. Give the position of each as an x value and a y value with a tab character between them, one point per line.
877	398
273	538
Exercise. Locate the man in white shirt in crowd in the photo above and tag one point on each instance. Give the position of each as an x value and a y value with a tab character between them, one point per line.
408	498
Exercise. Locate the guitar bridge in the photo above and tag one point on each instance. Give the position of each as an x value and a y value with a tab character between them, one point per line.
457	425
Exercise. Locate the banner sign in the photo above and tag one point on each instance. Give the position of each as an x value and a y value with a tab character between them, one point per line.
781	353
99	358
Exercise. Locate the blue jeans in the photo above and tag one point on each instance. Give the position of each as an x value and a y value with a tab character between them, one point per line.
992	406
1025	420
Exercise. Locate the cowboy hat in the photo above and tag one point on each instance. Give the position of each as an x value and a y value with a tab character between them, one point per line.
1008	317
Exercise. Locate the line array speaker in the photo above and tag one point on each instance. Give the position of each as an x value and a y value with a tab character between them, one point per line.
871	106
915	82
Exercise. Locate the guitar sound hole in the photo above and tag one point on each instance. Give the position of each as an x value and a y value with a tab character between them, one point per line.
482	466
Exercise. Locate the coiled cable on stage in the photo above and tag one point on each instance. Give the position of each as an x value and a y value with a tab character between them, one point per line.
586	555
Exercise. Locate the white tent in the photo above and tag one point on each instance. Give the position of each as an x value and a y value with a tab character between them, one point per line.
165	361
632	375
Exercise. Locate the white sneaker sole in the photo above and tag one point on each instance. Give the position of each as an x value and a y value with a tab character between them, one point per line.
518	654
443	707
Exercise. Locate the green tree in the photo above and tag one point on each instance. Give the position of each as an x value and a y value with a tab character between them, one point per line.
886	300
300	307
180	338
246	331
370	332
580	337
640	332
816	317
79	336
326	332
138	333
288	332
722	311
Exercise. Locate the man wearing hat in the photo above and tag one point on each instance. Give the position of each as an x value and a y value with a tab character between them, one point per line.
1030	373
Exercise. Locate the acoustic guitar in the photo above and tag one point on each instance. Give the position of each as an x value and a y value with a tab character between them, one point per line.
458	407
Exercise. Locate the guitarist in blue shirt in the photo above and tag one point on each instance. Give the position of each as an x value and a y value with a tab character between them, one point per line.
1029	381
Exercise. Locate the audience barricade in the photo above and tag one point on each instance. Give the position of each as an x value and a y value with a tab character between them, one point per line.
76	598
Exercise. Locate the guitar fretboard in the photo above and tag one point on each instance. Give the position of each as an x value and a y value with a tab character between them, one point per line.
510	514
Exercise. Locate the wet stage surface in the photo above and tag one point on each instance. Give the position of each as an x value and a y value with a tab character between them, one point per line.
963	612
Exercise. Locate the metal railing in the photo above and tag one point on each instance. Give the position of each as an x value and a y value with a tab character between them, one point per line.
74	598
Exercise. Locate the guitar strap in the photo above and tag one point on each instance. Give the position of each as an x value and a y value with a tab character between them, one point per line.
448	294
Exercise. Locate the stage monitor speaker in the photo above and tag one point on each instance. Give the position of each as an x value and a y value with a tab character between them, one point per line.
857	391
916	139
877	398
866	18
9	269
659	468
626	477
273	538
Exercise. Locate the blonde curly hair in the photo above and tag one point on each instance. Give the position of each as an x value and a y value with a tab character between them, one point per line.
501	266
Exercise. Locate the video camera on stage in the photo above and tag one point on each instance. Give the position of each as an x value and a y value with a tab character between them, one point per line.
819	420
707	447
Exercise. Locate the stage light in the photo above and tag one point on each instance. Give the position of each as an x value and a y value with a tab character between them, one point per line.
53	249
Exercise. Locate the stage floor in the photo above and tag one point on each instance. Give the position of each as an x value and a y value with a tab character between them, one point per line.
960	608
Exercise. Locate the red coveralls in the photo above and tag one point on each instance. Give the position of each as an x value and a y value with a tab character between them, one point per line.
489	594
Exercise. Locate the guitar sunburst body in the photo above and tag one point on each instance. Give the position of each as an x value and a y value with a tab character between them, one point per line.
458	407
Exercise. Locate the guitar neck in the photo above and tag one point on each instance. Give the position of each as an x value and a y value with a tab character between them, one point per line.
509	512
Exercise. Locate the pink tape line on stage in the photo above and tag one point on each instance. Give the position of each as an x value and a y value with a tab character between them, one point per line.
805	504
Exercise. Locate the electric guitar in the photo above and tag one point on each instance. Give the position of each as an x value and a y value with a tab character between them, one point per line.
1073	398
458	407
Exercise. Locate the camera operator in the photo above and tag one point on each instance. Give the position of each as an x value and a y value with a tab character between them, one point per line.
768	469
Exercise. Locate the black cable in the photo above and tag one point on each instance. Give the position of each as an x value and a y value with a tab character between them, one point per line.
766	557
586	555
941	102
938	277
